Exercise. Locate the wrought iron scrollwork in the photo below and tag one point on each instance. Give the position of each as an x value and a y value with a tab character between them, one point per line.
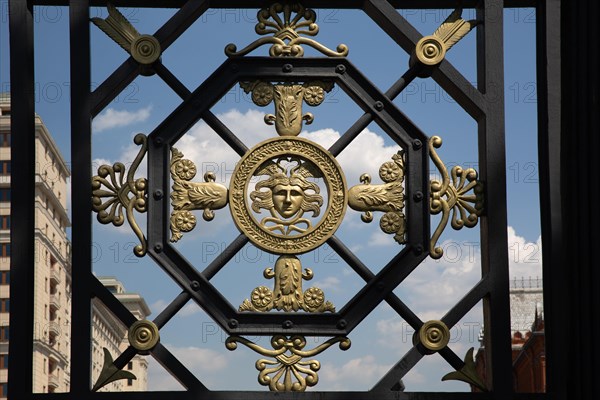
111	192
453	196
288	372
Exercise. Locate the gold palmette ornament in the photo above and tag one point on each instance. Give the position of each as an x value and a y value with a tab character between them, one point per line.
453	195
287	294
112	191
144	49
110	372
387	198
468	373
188	196
288	372
288	31
431	50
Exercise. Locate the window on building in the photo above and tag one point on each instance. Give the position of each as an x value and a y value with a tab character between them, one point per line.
4	305
5	222
4	333
5	194
4	167
5	250
3	361
129	382
3	389
5	139
130	366
4	277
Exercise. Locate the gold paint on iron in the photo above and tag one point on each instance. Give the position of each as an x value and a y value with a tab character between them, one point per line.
447	196
143	335
144	49
188	196
287	292
288	99
468	373
387	198
434	335
288	372
288	168
110	372
118	191
286	30
431	50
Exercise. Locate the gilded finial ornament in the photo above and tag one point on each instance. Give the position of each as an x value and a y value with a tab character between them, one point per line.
110	372
287	293
143	335
431	50
288	31
188	196
453	196
468	373
288	372
387	197
112	191
288	99
280	215
145	49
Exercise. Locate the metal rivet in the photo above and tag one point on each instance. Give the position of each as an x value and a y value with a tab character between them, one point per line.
233	323
158	247
342	324
287	68
340	69
158	194
418	249
417	144
195	285
418	196
158	141
287	324
378	105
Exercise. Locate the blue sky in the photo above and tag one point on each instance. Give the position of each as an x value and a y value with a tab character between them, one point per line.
432	289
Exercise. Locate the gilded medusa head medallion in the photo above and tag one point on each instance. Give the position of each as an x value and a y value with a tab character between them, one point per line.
276	195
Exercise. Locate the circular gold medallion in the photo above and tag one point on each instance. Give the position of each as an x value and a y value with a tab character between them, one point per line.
288	195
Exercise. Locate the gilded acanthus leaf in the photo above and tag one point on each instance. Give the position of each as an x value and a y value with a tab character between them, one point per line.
117	27
453	29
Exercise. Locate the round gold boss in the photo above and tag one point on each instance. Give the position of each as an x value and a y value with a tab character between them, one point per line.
331	214
434	335
145	49
143	335
430	50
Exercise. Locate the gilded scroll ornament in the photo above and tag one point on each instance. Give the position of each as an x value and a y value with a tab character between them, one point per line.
288	372
453	195
289	173
468	373
286	31
431	50
110	372
111	193
387	197
287	293
188	196
288	99
145	49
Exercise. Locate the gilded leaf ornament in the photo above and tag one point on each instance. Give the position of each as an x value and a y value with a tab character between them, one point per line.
468	373
145	49
288	23
113	191
288	98
110	372
287	294
188	196
459	192
387	197
431	50
287	372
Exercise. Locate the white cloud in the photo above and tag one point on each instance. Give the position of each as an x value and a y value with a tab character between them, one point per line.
112	118
330	282
524	258
357	374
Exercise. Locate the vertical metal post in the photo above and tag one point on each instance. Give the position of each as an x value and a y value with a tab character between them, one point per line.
81	156
494	246
548	42
23	198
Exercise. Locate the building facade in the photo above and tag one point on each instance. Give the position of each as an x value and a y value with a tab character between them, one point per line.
52	287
